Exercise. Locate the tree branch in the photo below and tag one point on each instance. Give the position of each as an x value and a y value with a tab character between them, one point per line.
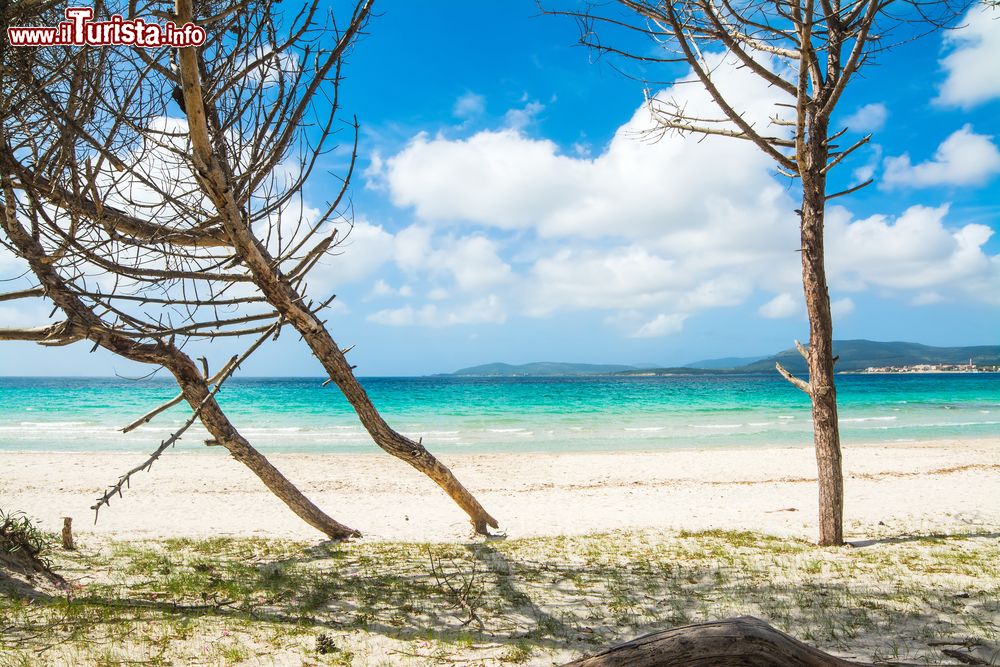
800	384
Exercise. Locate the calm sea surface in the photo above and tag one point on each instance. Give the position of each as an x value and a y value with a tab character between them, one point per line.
506	414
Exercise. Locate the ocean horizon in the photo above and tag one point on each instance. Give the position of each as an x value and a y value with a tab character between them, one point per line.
504	414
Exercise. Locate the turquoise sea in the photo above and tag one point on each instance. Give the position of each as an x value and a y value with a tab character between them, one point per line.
472	415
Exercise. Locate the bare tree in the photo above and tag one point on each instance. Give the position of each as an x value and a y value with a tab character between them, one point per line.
808	50
146	228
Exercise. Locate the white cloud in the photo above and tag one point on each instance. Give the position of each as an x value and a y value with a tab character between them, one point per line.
971	65
273	67
650	232
842	307
383	289
518	119
374	173
635	188
487	310
365	248
869	118
627	277
412	246
661	325
783	305
469	105
867	170
914	252
788	305
964	158
471	262
862	174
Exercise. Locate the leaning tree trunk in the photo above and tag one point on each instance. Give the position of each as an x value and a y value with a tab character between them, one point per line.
193	385
196	393
735	642
215	177
822	390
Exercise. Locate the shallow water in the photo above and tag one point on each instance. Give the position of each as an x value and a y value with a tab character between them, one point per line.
506	414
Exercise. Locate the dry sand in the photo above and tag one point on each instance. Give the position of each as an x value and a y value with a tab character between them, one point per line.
942	486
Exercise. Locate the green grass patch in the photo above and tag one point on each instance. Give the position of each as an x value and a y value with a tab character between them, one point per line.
523	601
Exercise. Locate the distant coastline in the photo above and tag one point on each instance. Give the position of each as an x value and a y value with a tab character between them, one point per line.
924	369
854	356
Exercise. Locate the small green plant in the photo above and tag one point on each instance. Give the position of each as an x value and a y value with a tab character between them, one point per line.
21	542
517	653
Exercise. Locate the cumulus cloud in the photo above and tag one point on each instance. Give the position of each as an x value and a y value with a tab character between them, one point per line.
472	262
783	305
634	188
867	171
651	233
626	277
914	252
383	289
971	64
362	252
374	173
842	307
661	325
964	158
518	119
488	310
787	304
678	234
869	118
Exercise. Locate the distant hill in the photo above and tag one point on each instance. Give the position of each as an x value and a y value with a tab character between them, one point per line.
725	363
854	355
542	368
860	354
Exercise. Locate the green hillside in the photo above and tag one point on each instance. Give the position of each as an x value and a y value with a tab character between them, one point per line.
854	355
860	354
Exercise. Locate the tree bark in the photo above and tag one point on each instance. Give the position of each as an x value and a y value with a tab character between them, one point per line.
823	392
192	384
744	642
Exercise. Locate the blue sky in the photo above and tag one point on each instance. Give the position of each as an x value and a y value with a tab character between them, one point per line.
508	208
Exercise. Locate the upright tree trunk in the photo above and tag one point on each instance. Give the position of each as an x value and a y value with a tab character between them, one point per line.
826	429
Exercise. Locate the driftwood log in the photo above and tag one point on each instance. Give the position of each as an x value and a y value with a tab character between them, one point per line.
745	641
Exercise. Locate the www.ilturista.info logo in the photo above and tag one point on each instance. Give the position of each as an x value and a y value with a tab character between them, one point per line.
79	29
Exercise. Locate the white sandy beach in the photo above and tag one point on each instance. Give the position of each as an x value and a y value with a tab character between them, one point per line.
942	486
